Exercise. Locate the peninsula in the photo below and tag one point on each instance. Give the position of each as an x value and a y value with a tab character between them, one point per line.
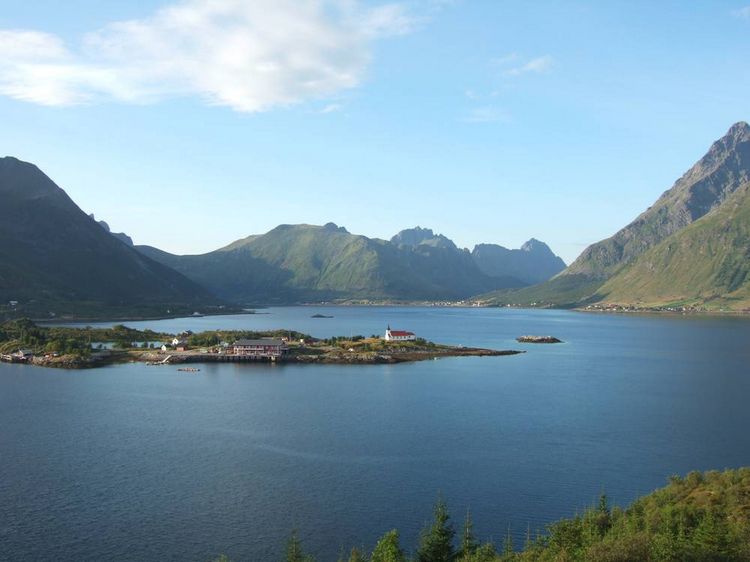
23	341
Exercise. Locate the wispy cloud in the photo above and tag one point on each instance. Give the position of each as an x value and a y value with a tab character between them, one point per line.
536	65
743	13
505	68
331	108
486	114
249	56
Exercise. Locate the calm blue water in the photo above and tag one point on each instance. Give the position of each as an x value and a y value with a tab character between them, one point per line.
144	463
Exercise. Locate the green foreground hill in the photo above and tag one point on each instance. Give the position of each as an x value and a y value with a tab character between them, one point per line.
704	517
689	247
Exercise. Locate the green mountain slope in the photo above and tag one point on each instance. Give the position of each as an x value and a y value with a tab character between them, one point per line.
304	263
724	168
53	257
707	263
705	187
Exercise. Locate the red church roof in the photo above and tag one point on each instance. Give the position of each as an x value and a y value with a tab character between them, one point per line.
401	333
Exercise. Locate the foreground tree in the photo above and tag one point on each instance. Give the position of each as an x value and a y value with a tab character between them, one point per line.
388	549
355	555
294	552
436	544
469	542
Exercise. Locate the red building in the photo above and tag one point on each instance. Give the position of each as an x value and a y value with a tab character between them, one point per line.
259	348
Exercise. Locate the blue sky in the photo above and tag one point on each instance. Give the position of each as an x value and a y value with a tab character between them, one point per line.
189	124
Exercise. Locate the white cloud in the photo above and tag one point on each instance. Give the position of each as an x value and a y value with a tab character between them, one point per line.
536	65
249	56
506	59
331	108
486	114
743	13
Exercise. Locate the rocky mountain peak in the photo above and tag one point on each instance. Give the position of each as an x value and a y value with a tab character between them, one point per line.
534	245
413	237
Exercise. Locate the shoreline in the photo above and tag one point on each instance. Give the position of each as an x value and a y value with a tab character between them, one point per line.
304	356
622	311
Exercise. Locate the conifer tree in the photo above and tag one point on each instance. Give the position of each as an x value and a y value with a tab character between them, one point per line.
508	544
436	544
469	542
388	549
357	556
294	552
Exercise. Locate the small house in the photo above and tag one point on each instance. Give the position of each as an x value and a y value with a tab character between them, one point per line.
399	335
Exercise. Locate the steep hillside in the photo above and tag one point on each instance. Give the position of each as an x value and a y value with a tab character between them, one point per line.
707	263
705	187
53	257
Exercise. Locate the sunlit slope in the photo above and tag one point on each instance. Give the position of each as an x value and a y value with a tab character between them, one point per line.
706	263
707	186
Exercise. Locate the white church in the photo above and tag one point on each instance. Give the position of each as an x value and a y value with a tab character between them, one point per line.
398	335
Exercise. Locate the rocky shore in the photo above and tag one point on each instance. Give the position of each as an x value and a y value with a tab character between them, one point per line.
538	339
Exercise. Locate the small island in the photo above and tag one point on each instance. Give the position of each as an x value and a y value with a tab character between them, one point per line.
538	339
23	341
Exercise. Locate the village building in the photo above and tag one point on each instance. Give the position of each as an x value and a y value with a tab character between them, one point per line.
263	348
399	335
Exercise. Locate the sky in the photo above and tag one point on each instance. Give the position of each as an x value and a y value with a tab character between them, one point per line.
191	123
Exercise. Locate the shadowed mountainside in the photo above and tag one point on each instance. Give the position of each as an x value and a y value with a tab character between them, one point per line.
54	257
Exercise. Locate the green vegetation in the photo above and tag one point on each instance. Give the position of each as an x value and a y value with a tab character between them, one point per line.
215	337
563	291
25	334
704	517
706	263
306	263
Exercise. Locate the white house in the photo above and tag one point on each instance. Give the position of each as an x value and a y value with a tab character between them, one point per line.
399	335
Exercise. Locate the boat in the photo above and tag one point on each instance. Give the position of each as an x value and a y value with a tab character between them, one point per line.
188	369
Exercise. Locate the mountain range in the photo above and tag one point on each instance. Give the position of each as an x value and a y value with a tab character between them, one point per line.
307	263
690	248
55	258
